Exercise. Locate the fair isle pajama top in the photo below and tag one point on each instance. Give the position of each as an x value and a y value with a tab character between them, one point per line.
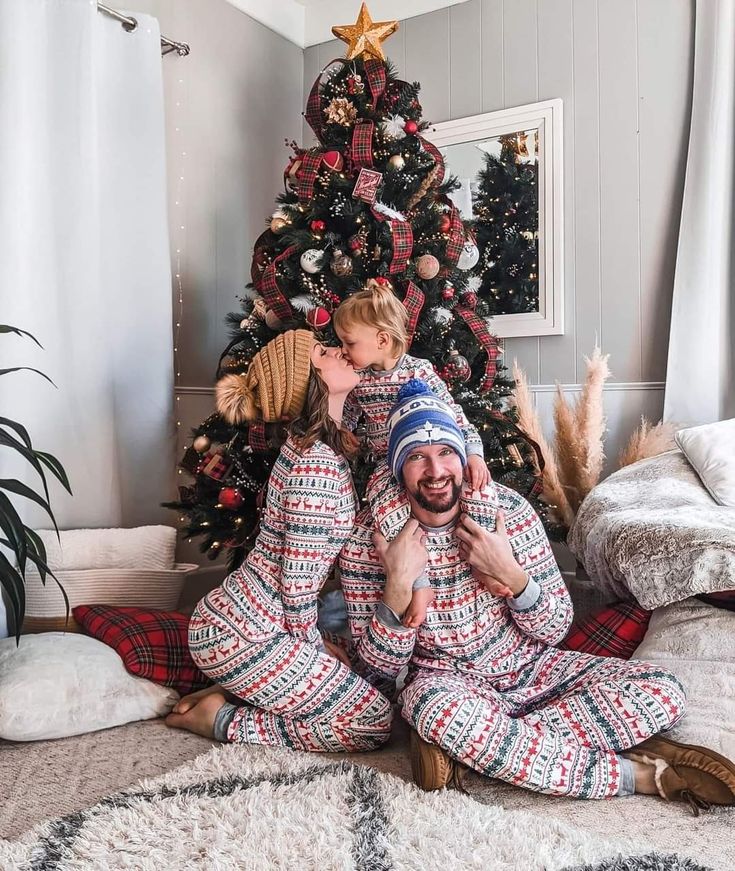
256	635
485	681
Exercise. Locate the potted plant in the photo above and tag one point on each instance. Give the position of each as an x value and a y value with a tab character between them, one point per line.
17	538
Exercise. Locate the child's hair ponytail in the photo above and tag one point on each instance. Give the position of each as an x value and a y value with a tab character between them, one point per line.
376	305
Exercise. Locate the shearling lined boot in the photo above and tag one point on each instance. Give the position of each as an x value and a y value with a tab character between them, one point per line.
685	772
433	768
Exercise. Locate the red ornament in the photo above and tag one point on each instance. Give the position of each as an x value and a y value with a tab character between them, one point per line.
318	317
445	223
230	498
355	244
411	127
448	292
318	226
333	160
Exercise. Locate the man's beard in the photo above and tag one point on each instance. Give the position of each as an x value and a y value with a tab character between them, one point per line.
437	504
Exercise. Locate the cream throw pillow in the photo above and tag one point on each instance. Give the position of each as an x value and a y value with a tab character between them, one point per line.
696	642
711	451
58	684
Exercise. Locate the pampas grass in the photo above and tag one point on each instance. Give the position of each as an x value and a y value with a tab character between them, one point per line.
553	492
648	441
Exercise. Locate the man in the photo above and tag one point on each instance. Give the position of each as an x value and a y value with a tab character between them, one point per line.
486	686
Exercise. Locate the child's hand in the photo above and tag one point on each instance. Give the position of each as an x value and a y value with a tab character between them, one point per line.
476	472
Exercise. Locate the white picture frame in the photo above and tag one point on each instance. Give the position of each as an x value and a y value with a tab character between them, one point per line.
546	118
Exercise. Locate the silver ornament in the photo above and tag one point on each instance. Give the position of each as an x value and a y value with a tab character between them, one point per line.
469	256
341	264
312	261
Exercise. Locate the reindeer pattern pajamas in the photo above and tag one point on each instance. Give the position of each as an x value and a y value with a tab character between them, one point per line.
485	681
256	635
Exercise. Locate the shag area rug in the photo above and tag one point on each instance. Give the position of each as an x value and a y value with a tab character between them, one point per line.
271	809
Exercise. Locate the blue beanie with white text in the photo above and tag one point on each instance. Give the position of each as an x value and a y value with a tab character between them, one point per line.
419	418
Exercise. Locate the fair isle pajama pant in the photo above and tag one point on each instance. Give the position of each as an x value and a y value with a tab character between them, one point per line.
557	728
295	695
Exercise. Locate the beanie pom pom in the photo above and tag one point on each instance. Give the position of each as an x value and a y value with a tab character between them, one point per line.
235	400
414	387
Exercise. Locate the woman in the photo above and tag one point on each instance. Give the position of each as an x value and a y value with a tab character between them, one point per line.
256	635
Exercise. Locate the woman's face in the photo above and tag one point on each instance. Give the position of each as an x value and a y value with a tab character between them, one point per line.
335	370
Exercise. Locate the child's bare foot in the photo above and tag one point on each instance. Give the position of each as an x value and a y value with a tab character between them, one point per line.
416	611
200	712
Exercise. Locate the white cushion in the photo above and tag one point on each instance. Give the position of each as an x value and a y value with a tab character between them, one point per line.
697	643
711	450
58	684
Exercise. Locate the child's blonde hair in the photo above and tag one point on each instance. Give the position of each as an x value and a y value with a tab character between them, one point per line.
377	306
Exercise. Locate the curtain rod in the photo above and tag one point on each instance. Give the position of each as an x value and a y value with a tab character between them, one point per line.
129	24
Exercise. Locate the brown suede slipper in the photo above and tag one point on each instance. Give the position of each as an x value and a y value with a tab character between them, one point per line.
685	772
433	768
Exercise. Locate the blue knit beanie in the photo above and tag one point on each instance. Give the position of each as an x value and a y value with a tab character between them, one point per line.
419	418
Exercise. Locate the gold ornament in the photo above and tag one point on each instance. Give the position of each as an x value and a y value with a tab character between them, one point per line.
341	264
202	443
365	36
341	111
398	161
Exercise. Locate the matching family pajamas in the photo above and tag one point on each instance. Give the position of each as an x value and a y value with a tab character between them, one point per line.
484	680
256	635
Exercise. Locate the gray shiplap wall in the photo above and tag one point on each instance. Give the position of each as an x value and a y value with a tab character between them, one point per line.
624	71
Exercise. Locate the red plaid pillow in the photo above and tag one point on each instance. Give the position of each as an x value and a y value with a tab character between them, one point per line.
151	644
614	631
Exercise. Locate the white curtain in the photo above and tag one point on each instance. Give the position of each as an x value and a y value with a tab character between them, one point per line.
84	257
700	377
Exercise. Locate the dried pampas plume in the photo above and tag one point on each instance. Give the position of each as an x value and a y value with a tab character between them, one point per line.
234	399
553	493
648	441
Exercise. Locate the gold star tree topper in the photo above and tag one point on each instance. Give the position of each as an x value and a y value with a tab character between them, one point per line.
365	36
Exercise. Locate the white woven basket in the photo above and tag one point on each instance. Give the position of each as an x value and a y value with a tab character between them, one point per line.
140	588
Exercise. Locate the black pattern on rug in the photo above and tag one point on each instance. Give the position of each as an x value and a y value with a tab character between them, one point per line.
648	862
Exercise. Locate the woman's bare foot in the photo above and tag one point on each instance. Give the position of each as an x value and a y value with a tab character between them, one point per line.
416	611
187	702
199	713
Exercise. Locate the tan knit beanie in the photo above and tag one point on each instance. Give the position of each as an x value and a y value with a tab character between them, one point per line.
275	385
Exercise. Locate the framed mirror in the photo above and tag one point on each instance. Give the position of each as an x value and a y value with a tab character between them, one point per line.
509	165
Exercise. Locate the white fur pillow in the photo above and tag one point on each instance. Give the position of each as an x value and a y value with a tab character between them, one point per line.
697	643
711	451
58	684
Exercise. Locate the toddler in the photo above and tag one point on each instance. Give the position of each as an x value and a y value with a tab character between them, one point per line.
372	326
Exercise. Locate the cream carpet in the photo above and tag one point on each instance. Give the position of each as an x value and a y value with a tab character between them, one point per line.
50	779
264	808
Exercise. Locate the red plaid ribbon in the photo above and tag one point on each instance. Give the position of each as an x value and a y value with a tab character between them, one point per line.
456	240
307	174
402	245
270	291
488	343
362	144
214	466
261	244
437	155
614	631
256	437
413	302
375	70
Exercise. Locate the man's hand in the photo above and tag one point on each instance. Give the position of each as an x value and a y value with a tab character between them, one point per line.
491	556
403	559
476	472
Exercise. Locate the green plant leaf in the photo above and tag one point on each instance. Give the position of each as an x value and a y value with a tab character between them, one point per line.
30	455
12	582
26	369
40	562
4	328
55	467
19	428
20	489
11	525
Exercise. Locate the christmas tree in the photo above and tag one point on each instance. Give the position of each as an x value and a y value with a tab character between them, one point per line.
370	200
506	226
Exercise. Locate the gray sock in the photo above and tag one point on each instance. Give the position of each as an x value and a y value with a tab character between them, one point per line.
627	777
222	721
